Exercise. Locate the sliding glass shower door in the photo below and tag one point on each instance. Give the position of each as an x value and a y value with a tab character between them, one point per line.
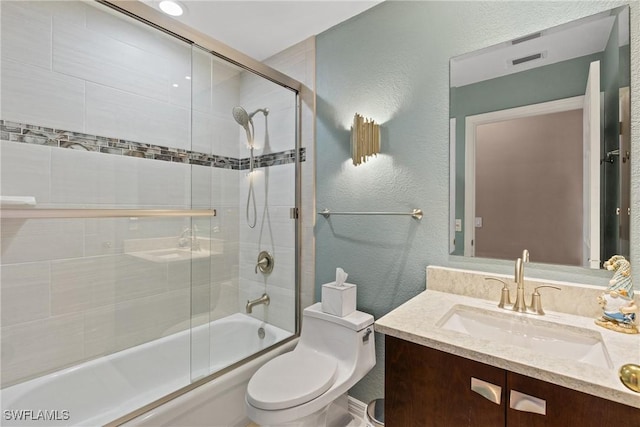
133	211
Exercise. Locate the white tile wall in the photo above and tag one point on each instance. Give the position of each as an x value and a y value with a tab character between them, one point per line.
37	96
85	283
40	240
25	170
229	139
80	177
202	80
135	321
26	34
116	113
40	346
203	131
25	292
102	59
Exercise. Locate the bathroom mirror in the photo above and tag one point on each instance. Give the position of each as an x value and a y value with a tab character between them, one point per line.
540	143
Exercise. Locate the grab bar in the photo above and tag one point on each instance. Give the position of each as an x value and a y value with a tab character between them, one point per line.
102	213
416	213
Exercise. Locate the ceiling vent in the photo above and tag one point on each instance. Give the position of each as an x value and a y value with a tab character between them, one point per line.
527	58
526	38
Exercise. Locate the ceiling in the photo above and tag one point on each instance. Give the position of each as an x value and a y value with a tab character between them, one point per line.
263	28
571	40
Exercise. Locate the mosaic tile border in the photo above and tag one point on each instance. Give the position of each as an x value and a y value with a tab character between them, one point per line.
39	135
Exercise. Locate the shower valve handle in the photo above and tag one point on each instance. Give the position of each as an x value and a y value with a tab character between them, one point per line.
265	262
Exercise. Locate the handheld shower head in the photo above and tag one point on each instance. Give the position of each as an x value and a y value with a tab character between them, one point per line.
244	119
241	117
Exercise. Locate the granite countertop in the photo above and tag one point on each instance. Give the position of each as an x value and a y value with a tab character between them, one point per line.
418	319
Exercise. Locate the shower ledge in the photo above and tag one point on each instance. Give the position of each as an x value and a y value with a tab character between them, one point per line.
166	249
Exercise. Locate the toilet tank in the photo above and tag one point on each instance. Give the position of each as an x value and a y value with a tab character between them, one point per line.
349	338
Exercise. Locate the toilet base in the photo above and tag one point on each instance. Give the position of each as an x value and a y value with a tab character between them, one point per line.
336	414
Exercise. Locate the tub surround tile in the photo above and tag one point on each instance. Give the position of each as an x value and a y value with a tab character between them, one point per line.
39	347
29	33
23	169
85	283
25	292
280	311
129	31
136	118
34	95
40	240
130	323
110	62
224	298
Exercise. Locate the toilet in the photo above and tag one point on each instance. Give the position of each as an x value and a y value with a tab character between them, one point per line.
308	386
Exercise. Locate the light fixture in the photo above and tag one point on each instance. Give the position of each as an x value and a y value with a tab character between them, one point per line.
365	139
171	7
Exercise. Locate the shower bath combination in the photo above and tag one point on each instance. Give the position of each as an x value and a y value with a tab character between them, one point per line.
245	120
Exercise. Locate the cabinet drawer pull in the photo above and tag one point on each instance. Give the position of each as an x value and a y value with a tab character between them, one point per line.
487	390
525	403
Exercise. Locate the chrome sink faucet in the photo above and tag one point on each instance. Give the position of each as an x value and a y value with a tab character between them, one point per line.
520	306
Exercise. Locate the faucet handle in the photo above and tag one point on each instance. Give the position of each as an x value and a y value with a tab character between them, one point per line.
505	299
536	302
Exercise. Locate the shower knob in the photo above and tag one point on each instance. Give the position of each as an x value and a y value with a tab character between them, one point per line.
265	263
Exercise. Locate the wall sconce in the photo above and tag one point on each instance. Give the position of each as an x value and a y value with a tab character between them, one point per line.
365	139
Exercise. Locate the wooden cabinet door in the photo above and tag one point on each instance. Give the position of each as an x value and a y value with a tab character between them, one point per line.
566	407
431	388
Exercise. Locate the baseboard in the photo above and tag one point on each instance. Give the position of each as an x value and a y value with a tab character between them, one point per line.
357	409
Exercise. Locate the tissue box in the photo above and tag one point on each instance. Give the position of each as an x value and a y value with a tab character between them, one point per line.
339	300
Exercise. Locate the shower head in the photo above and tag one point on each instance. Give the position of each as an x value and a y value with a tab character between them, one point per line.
243	119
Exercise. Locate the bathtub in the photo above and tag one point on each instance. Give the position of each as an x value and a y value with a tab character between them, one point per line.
99	391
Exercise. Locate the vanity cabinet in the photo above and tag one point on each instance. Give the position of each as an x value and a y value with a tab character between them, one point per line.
427	387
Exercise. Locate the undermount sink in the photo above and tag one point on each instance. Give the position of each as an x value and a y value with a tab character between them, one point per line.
555	340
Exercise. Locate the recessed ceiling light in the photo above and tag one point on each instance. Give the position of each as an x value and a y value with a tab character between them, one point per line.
171	7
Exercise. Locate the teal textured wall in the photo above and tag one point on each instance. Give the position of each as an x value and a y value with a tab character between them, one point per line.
392	63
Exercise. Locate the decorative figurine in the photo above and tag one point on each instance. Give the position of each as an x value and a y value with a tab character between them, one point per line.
619	309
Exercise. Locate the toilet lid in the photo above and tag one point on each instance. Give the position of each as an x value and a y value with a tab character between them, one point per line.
291	379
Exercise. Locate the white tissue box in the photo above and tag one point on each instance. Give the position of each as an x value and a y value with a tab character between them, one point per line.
339	300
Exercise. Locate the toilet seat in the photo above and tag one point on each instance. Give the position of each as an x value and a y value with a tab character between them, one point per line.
291	379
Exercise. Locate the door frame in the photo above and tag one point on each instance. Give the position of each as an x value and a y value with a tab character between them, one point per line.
471	123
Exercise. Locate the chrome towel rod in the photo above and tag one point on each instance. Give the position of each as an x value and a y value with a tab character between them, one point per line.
416	213
103	213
